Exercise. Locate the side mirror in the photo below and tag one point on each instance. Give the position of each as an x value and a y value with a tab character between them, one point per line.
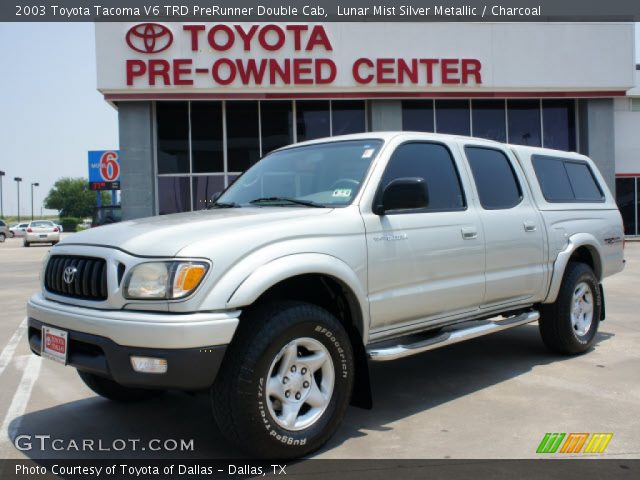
403	194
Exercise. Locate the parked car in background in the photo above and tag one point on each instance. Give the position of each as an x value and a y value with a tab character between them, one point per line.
18	229
4	231
41	231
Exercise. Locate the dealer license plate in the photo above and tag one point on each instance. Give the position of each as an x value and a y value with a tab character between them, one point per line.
55	343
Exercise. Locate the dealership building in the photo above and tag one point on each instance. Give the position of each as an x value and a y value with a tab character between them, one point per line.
198	103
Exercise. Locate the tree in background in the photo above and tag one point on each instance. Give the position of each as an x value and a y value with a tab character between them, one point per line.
73	198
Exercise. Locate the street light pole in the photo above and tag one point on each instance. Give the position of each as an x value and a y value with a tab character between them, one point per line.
1	202
18	180
35	184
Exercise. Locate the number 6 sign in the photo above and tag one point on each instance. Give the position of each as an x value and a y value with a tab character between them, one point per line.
104	170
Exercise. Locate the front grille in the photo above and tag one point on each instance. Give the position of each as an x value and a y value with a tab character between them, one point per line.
88	282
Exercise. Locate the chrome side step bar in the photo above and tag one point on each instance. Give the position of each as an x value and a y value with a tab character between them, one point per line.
477	329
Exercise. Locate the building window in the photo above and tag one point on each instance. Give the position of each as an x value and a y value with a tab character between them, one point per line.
206	137
312	120
173	194
276	120
489	120
243	136
559	121
204	187
524	122
628	198
452	116
173	137
417	115
347	116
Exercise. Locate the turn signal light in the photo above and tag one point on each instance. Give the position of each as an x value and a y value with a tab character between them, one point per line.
187	277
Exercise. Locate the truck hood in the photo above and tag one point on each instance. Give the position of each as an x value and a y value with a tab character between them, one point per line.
166	235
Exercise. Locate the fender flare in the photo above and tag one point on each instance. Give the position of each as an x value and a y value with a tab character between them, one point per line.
562	260
280	269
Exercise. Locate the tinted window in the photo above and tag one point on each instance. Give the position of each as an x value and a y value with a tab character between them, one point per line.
173	137
495	180
243	136
524	122
564	180
452	116
417	115
173	195
559	121
489	119
584	185
206	136
277	124
626	200
347	116
312	119
434	163
553	179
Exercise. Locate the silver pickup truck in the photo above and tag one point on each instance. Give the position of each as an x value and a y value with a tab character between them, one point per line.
321	257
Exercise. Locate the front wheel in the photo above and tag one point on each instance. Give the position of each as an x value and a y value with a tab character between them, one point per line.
285	382
569	325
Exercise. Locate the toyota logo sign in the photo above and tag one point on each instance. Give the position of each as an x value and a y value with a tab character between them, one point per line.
69	274
149	38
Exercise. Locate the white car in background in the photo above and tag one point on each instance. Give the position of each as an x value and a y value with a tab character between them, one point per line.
41	231
18	229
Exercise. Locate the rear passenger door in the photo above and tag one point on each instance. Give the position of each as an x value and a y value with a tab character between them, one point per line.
512	225
427	262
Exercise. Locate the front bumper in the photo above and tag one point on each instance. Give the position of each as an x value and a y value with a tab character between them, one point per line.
102	342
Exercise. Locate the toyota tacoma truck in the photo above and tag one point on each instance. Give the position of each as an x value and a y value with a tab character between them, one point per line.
322	257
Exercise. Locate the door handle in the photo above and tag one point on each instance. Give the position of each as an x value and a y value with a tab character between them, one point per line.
529	227
469	233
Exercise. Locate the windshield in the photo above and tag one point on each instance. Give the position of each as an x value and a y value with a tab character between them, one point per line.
324	174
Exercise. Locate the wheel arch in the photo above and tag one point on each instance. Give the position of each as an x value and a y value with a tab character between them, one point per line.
583	248
321	280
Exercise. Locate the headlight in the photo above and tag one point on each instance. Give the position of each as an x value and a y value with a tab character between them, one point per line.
164	280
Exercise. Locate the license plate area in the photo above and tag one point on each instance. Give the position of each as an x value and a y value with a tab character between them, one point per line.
55	344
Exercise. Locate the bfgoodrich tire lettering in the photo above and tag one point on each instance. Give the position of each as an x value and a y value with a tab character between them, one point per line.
244	404
569	325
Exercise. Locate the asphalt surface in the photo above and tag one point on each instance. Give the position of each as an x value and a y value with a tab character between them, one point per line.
493	397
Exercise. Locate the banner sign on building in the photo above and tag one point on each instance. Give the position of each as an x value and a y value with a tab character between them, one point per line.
104	170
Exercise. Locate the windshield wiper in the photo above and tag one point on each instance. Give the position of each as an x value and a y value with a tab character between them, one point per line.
306	203
223	205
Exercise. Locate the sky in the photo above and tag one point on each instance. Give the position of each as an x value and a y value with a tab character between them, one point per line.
50	111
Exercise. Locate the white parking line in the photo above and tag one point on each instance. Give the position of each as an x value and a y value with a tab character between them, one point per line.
20	399
10	349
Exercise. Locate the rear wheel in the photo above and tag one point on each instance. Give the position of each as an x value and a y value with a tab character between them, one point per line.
26	244
285	382
569	325
107	388
3	237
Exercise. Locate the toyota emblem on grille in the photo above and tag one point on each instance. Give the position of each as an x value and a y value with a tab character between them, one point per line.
69	274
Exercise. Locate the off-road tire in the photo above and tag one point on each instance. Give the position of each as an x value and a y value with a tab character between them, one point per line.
111	390
239	394
556	328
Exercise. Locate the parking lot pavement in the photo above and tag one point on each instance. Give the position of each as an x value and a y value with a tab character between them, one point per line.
492	397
